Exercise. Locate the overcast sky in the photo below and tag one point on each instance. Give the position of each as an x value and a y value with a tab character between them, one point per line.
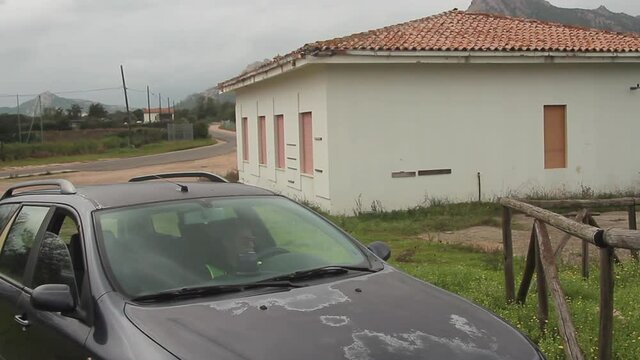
183	46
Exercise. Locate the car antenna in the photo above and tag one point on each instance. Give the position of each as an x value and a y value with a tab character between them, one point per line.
182	188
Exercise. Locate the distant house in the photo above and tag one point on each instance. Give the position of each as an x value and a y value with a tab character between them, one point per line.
443	107
156	114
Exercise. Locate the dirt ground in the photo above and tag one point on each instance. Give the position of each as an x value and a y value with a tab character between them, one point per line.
218	165
489	238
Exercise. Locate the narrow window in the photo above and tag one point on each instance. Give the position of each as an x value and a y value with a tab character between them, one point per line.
262	140
555	136
279	133
245	140
306	144
21	237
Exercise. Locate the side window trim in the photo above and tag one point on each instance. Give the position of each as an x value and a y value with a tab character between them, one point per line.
5	233
28	272
11	217
35	249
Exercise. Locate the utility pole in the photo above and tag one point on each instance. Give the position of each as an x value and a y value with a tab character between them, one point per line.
126	101
160	107
41	128
169	108
19	122
148	104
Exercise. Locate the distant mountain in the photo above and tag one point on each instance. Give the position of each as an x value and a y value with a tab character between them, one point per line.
50	100
600	18
191	101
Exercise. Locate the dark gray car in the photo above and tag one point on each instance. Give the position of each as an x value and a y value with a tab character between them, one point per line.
213	270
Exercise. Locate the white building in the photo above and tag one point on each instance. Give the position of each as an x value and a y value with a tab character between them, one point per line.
426	108
156	114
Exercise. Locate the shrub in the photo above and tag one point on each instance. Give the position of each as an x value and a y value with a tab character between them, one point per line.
232	176
201	130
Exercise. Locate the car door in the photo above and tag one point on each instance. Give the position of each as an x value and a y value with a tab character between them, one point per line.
58	260
16	241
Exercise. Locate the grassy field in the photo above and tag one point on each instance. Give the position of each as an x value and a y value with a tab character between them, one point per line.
478	276
150	149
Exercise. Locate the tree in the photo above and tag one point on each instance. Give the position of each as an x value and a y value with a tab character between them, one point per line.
97	110
138	114
75	112
56	118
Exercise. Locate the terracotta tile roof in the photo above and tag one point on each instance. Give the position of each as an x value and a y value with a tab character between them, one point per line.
164	110
463	31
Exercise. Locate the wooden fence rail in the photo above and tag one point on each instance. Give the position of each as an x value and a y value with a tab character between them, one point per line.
541	260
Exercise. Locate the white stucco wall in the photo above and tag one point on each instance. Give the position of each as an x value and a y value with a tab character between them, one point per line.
477	118
303	90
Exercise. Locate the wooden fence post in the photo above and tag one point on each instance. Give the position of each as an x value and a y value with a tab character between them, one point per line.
581	217
633	226
529	269
565	325
541	285
585	260
605	338
507	245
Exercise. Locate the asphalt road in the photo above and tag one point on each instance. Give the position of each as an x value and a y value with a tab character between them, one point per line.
228	146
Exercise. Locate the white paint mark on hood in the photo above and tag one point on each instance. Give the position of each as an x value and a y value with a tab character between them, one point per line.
335	321
463	325
305	299
369	345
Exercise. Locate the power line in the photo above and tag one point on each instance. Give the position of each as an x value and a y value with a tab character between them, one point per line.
67	92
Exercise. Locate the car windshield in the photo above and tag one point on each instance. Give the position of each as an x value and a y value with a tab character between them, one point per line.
217	241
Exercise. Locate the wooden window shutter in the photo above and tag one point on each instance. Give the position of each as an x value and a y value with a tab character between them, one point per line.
555	136
306	139
245	139
279	133
262	139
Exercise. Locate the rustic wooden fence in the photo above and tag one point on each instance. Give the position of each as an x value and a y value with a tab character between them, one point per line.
541	260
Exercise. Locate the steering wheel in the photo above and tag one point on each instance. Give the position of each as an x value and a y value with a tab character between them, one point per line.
271	252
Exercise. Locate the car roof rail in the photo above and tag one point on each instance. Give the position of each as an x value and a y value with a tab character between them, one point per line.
185	174
66	187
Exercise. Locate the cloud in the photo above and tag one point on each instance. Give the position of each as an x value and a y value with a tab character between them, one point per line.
180	47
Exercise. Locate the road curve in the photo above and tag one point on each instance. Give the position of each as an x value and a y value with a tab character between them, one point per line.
225	146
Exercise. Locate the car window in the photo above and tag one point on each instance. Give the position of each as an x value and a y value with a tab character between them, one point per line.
300	236
166	223
6	214
54	264
60	257
216	241
20	239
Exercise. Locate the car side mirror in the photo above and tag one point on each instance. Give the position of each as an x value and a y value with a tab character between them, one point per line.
53	298
380	249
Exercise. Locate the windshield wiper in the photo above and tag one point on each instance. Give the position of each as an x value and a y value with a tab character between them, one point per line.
187	292
320	272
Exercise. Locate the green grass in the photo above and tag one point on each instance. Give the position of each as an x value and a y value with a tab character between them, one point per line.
478	276
150	149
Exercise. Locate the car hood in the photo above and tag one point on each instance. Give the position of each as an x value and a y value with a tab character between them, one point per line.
386	315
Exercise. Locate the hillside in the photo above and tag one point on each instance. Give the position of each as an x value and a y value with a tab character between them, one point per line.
191	101
50	100
600	18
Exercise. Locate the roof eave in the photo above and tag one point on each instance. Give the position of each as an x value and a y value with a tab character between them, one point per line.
482	56
427	57
286	64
